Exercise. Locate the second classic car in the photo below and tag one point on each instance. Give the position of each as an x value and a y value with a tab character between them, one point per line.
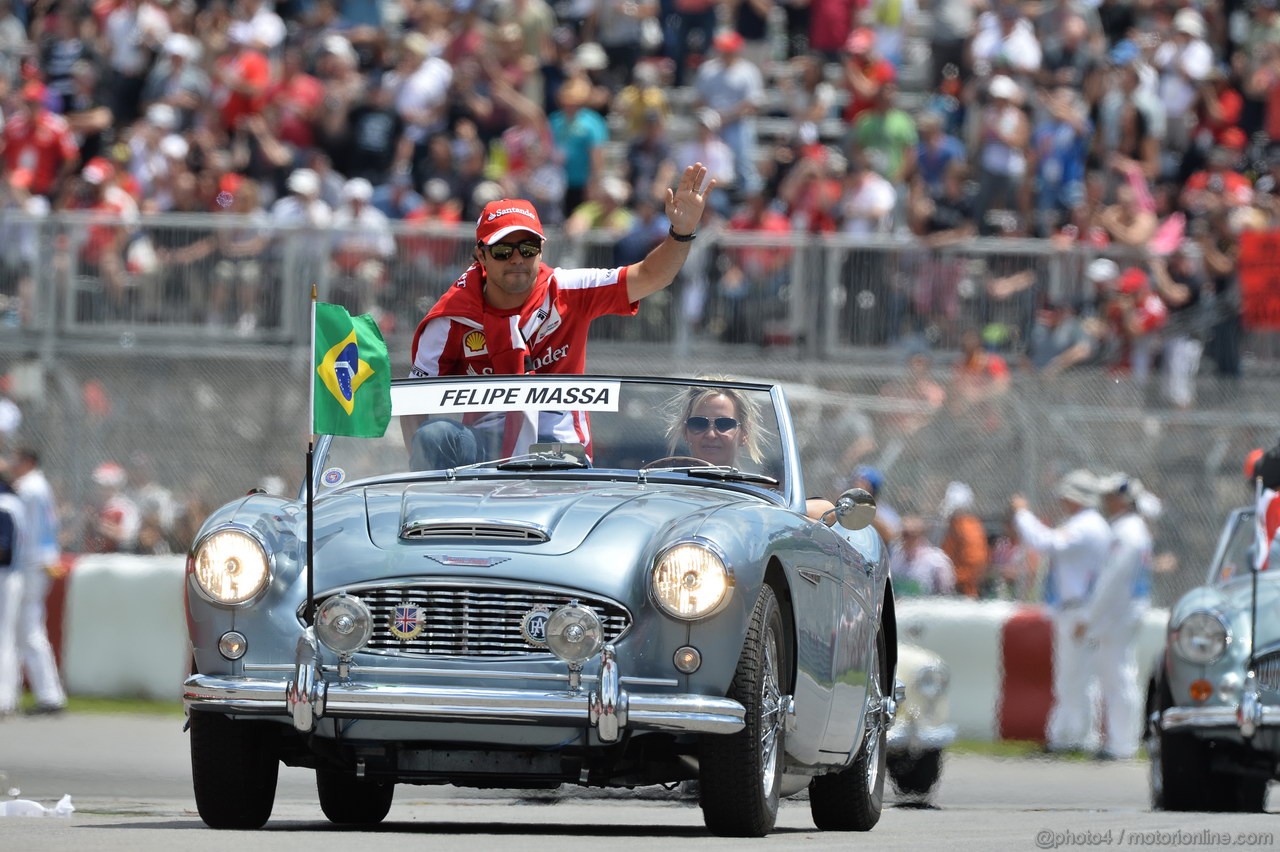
920	729
1213	702
644	595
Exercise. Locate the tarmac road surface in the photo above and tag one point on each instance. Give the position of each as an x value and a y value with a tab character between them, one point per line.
129	778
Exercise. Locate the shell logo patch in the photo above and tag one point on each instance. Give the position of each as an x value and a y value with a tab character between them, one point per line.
408	620
475	344
533	627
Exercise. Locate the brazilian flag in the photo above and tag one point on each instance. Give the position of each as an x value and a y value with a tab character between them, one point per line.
353	375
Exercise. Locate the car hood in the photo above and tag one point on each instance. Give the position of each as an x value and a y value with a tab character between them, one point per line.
549	518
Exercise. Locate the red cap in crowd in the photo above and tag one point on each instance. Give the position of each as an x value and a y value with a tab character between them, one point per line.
728	41
860	40
1233	138
98	171
34	90
1133	280
506	216
230	182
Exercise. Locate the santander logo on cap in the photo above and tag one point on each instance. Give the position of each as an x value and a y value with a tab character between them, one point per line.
506	216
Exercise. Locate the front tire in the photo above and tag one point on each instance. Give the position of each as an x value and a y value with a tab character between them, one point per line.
1178	763
740	775
915	776
852	799
233	770
348	800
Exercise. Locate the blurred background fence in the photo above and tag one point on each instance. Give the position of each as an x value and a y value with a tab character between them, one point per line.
193	361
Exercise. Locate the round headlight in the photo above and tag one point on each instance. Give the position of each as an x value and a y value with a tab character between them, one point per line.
690	581
344	623
931	681
574	633
1201	638
230	567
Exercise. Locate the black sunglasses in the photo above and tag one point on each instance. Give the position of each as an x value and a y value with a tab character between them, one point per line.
527	248
700	424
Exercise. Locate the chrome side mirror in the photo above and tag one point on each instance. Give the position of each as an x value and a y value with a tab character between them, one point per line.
856	509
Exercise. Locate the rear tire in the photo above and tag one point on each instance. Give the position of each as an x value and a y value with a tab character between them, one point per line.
740	775
233	770
348	800
851	800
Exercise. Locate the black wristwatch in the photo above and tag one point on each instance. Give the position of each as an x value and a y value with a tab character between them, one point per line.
681	238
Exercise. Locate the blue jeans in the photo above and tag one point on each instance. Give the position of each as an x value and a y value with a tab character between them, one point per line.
442	444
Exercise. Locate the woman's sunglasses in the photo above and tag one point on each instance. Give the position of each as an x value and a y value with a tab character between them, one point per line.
699	424
503	251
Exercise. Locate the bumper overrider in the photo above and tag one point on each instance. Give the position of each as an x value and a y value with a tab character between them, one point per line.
606	707
913	737
1247	716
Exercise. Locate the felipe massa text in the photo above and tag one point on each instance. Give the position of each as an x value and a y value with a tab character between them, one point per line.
519	397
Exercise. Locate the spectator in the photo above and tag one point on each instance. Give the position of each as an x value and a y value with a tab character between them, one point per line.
101	255
1220	250
807	95
964	540
865	73
643	102
620	27
20	242
362	246
299	97
60	48
296	220
733	87
13	534
887	521
1006	40
86	111
579	134
1059	339
918	387
177	79
1113	615
753	275
709	148
867	201
649	227
651	166
1076	549
238	271
116	519
1178	286
917	566
41	141
1060	143
1219	186
186	255
693	21
242	78
1131	221
1003	136
1184	61
1068	55
886	136
605	210
133	31
375	143
1014	567
935	153
1136	314
396	199
980	379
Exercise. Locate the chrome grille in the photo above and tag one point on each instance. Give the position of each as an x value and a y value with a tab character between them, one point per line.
472	529
474	621
1267	668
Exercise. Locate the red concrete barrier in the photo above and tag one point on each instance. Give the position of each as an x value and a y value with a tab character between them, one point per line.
1026	688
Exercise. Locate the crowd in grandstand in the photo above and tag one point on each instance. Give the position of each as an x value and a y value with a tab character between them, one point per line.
1113	124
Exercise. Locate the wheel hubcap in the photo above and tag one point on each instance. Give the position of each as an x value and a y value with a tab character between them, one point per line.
771	716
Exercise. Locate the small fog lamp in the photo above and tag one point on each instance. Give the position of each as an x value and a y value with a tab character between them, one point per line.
232	645
574	633
344	624
1201	690
687	659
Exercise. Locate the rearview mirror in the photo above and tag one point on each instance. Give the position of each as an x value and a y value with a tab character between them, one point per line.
856	509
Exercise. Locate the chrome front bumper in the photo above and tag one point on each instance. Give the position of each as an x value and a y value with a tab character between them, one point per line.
911	737
607	707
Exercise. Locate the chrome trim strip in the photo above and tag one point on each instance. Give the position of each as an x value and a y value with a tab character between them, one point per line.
1211	717
485	528
446	673
686	713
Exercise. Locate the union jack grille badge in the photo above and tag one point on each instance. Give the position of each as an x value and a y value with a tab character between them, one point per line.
408	620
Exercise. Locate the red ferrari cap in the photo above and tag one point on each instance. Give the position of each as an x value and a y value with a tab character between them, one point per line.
506	216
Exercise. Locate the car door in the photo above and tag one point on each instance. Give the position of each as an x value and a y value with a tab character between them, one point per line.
852	654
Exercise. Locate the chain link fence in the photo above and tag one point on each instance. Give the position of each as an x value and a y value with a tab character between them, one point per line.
212	409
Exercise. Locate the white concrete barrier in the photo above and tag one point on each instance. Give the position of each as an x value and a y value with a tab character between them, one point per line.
124	632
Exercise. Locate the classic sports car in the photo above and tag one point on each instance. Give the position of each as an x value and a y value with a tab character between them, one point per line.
1213	702
650	603
920	730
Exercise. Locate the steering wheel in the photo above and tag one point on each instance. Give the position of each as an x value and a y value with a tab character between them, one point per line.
677	461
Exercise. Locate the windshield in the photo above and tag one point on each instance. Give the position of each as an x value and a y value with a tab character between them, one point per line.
706	431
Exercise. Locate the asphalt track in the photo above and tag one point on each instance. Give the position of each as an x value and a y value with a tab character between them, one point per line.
129	779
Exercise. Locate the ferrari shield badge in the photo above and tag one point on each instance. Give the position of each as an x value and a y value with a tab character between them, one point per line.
533	627
407	621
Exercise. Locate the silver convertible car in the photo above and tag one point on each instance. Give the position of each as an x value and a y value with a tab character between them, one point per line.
1213	702
535	581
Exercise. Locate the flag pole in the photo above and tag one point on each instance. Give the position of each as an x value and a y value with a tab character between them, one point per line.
311	445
